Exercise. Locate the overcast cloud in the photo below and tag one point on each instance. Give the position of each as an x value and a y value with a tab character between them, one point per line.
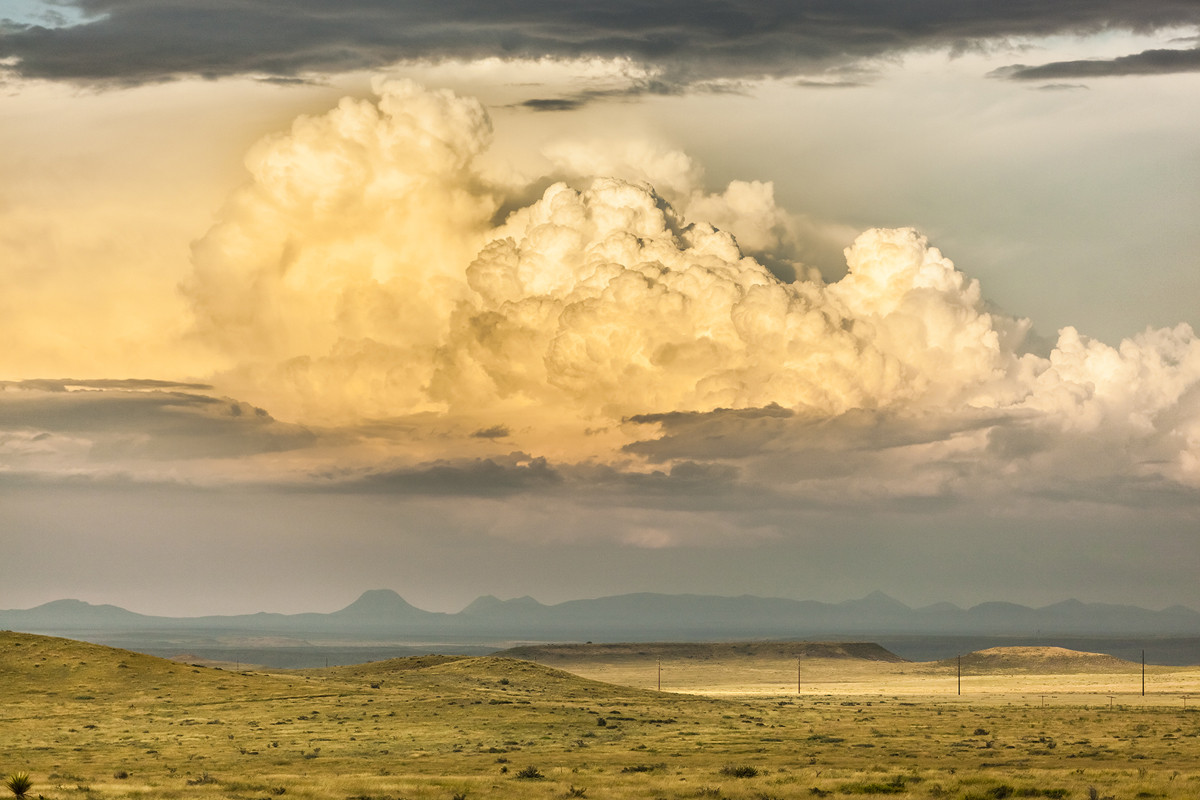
137	41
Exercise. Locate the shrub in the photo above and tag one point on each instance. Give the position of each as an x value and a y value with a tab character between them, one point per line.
530	773
19	783
742	771
894	786
204	779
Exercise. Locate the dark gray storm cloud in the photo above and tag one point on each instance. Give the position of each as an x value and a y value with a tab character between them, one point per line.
140	41
1149	62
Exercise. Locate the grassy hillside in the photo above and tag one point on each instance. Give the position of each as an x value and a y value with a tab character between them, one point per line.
89	722
1041	661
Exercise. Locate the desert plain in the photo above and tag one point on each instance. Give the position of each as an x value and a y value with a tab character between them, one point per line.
743	721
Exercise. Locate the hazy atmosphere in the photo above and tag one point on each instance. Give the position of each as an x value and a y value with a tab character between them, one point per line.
797	299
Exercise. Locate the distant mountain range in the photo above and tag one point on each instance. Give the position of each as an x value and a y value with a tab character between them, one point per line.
381	615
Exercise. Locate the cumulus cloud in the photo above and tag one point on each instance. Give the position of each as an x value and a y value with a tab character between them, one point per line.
628	320
787	244
140	41
334	272
615	329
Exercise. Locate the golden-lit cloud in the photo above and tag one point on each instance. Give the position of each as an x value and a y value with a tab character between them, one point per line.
358	276
366	274
563	356
405	317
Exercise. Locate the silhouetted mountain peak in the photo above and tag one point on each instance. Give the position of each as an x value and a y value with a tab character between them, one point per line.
484	602
877	601
490	604
941	607
1070	604
382	613
62	605
379	603
71	605
998	607
82	608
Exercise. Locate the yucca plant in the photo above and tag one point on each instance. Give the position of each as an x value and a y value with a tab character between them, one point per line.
19	783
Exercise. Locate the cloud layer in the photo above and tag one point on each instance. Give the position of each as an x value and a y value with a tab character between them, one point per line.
138	41
408	363
393	317
360	278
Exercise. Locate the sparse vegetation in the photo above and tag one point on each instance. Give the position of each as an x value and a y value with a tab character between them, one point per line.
896	785
642	768
739	771
431	732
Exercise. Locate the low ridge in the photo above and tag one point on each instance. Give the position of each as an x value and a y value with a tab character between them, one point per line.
1041	660
551	653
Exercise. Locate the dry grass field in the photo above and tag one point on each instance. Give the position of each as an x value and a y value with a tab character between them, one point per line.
1001	675
91	722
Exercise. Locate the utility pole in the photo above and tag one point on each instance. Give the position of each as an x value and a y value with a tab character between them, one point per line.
659	662
960	675
1143	673
798	661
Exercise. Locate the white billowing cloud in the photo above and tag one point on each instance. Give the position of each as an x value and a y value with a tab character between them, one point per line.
604	298
674	175
745	209
333	273
1131	411
360	276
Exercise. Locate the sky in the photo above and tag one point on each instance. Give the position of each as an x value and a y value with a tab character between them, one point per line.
791	298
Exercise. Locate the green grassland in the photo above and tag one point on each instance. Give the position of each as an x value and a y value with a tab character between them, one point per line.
91	722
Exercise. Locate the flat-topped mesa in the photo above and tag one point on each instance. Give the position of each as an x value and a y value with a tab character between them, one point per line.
705	651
